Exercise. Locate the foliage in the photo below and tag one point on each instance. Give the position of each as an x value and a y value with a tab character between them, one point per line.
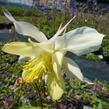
92	57
106	51
18	11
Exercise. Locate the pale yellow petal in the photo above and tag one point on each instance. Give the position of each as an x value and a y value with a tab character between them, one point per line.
72	69
80	41
57	59
8	15
56	86
48	47
26	28
55	80
21	48
61	43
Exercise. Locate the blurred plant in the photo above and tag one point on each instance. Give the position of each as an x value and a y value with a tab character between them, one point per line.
43	8
92	57
73	8
94	6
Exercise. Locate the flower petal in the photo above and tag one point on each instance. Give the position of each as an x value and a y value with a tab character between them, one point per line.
8	15
55	80
55	86
57	59
72	69
26	28
81	40
22	48
60	43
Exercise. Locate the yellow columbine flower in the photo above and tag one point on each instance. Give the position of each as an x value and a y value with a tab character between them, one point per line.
48	56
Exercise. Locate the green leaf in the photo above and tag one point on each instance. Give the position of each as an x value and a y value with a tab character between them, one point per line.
100	106
27	107
24	106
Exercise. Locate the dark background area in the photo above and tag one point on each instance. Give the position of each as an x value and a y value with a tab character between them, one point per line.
99	1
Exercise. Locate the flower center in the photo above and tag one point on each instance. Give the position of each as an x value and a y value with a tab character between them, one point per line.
35	68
